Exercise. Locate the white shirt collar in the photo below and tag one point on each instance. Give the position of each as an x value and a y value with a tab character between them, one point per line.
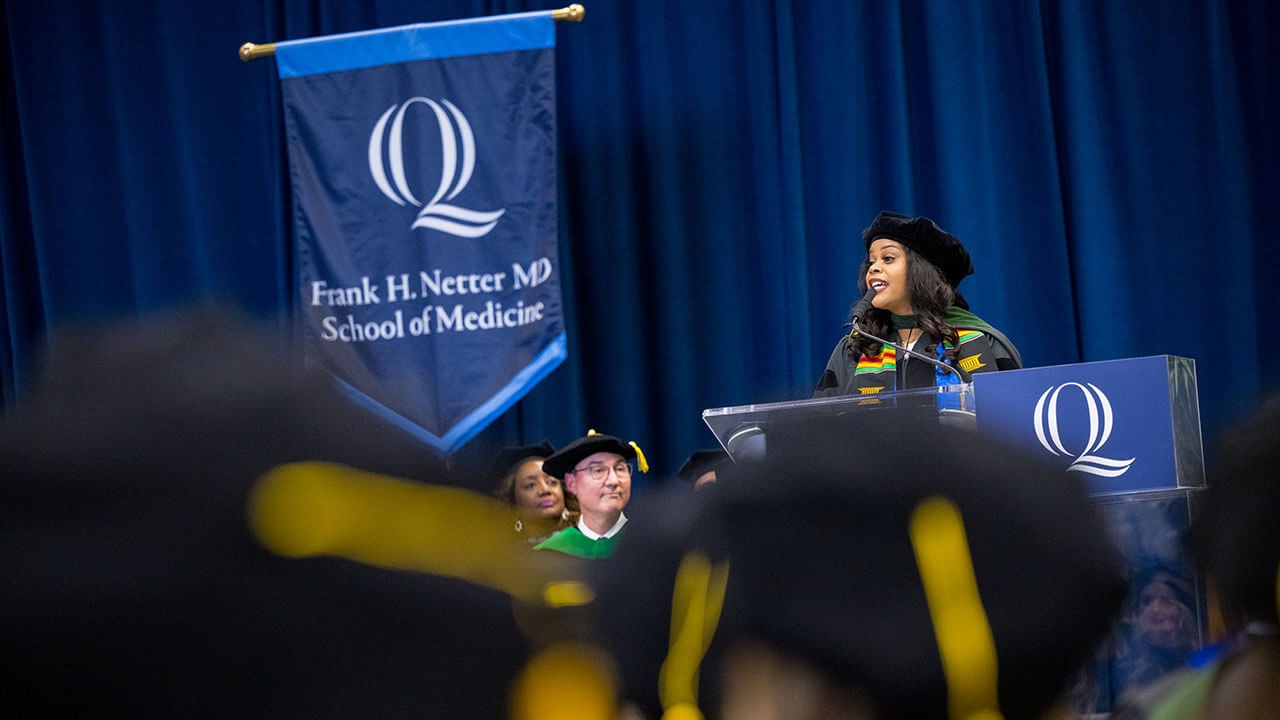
582	527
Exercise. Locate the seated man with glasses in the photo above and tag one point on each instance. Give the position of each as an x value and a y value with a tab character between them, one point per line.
596	469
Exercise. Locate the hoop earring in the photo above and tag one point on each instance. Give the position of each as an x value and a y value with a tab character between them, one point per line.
519	525
564	515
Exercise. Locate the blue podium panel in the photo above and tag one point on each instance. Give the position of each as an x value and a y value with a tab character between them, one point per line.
1125	425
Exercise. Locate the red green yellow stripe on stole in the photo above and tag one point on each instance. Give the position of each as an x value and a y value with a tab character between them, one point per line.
967	335
886	360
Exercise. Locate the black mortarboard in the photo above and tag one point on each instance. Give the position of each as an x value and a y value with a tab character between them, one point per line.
135	586
702	462
926	239
509	457
566	457
818	537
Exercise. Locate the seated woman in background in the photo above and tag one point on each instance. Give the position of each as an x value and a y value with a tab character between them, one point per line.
542	505
913	266
1163	632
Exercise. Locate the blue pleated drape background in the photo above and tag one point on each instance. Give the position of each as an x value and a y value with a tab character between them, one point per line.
1110	166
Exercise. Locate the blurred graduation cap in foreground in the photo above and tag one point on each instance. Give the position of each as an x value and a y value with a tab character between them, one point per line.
912	570
195	526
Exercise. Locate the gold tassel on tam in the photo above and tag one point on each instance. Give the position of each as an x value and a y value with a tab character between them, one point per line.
696	602
641	463
965	643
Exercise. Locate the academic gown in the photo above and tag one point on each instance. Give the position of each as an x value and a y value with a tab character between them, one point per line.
571	541
982	349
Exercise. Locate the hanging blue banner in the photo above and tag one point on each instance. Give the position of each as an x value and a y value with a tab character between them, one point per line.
422	160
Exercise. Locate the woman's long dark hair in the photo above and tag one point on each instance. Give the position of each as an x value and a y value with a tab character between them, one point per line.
930	294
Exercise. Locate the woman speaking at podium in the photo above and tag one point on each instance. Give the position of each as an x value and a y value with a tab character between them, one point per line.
910	301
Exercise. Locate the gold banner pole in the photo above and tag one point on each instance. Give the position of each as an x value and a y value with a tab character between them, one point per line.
253	51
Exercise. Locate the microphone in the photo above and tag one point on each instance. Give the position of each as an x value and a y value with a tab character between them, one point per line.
861	308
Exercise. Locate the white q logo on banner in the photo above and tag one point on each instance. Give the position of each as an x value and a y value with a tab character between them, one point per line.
457	143
1100	422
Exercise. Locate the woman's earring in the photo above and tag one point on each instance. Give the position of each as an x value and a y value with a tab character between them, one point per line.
564	514
519	525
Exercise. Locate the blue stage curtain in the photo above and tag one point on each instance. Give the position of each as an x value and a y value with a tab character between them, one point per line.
1111	167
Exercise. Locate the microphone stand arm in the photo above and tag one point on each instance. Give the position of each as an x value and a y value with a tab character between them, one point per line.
964	377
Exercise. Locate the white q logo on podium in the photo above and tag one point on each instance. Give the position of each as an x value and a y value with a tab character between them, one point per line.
458	150
1100	424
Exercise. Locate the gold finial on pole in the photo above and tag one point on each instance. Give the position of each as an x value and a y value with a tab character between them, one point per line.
252	51
573	13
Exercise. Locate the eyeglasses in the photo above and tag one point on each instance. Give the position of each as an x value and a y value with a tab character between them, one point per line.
600	471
